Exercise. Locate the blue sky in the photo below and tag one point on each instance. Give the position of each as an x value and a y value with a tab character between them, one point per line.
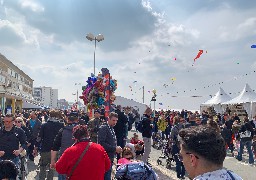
46	39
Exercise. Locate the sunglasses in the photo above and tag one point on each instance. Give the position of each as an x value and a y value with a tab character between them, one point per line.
17	121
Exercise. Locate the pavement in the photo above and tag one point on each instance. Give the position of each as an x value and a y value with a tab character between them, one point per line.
242	168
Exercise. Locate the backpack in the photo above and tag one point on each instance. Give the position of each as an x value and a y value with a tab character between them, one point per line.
135	171
67	138
140	126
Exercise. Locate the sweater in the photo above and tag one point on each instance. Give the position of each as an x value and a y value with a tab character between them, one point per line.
93	165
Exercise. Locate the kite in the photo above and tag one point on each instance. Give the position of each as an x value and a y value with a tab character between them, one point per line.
160	103
174	59
134	81
165	85
173	79
253	46
199	54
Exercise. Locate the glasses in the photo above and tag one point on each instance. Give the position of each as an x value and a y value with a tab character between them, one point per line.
17	121
189	153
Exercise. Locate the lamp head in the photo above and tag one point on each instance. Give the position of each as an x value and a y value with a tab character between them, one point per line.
90	36
100	37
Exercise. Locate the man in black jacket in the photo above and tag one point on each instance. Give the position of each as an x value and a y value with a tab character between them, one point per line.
147	127
246	134
46	137
12	140
107	138
121	127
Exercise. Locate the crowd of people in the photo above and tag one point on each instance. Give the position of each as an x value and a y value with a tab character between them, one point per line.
77	146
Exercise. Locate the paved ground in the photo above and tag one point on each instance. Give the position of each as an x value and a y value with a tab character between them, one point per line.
246	171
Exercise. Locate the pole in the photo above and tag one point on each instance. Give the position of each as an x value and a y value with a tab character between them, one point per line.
154	109
77	96
143	93
94	57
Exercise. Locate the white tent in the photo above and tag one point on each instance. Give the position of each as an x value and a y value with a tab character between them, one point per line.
216	100
247	95
247	98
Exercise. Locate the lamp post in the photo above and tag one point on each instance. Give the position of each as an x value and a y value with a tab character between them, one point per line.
99	38
77	84
154	100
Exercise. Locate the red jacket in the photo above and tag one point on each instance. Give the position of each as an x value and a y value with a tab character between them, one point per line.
93	165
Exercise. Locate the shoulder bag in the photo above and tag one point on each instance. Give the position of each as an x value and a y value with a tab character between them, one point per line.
79	159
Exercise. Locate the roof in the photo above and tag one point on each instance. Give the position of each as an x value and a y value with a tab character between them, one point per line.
220	97
247	95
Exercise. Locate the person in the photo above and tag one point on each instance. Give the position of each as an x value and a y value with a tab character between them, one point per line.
34	126
162	124
93	164
254	145
127	156
63	140
180	170
147	127
20	124
202	151
8	170
120	128
107	138
45	139
93	126
246	134
12	141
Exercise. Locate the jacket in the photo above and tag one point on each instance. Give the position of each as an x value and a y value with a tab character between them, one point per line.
11	140
107	138
146	126
64	138
34	130
48	132
93	165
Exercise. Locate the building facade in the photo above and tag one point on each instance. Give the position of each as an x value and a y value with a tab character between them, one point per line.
46	96
15	86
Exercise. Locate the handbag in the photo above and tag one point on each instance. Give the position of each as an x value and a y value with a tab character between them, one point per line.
79	159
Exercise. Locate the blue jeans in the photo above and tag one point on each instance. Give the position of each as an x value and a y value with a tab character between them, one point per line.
61	176
180	169
107	175
248	145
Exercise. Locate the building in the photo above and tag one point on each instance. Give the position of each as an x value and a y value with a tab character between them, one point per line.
63	104
15	86
46	96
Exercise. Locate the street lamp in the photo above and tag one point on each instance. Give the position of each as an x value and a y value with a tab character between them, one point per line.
99	38
77	84
154	100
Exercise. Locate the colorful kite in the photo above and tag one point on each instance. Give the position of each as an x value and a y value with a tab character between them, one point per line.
174	59
253	46
199	54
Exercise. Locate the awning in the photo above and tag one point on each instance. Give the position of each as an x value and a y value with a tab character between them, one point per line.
27	105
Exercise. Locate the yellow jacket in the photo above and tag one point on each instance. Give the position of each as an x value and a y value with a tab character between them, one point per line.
161	124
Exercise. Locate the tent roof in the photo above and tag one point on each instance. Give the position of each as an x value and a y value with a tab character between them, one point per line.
247	95
27	105
220	97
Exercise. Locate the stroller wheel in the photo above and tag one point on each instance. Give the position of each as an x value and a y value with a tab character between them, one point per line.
159	162
168	165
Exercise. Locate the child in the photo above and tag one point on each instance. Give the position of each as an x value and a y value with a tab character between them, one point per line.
139	144
127	156
254	145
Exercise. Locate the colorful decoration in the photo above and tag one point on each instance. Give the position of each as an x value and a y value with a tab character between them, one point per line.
94	93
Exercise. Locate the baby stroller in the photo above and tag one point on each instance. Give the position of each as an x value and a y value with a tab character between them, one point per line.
157	141
166	154
135	171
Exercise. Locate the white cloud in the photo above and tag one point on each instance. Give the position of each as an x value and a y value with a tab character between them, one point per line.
32	5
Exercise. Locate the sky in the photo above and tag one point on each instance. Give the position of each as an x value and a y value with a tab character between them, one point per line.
146	43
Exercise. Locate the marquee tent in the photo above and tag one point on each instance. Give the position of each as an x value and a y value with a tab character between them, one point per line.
247	98
216	100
